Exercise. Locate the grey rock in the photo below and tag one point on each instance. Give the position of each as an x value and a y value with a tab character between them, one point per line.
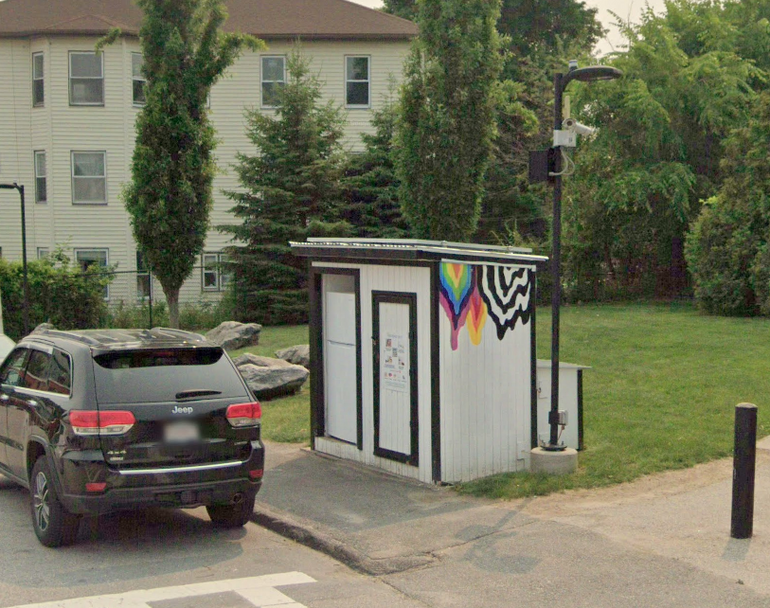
231	335
268	382
298	355
43	327
259	361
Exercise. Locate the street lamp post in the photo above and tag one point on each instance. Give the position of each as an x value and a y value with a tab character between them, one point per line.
25	312
560	83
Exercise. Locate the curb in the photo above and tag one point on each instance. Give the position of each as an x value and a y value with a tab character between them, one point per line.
324	542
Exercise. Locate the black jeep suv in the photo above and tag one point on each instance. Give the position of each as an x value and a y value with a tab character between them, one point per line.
101	420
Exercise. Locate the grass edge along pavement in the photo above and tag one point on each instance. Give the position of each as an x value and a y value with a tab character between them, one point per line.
287	419
661	393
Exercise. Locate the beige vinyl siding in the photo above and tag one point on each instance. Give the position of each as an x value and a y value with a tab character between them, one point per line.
59	129
15	149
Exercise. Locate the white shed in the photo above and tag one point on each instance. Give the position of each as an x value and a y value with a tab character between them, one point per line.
423	355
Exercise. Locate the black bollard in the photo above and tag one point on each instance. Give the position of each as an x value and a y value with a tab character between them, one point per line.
744	461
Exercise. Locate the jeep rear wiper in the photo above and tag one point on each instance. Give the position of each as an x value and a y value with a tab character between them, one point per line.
196	392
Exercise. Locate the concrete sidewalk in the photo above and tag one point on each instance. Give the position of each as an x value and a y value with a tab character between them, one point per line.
661	541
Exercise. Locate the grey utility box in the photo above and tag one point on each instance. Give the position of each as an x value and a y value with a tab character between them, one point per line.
570	401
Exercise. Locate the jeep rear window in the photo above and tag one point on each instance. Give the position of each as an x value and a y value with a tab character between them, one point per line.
152	376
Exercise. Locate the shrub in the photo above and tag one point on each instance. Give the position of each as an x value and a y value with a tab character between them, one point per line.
722	249
59	293
201	316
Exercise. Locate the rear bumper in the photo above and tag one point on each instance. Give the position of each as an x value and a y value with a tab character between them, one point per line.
182	486
192	495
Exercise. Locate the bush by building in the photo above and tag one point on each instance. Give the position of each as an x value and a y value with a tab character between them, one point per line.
60	293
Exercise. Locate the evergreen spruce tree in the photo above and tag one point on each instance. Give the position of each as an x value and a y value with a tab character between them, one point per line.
371	187
291	190
169	198
447	122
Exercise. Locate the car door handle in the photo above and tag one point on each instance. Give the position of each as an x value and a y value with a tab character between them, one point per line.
33	403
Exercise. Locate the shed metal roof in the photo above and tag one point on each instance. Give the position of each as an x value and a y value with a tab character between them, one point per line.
411	249
269	19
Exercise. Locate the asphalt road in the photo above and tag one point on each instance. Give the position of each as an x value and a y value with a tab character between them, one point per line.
168	551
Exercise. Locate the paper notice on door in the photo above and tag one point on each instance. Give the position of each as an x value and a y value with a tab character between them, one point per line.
395	364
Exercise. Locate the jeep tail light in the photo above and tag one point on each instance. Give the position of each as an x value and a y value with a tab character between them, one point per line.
94	423
244	414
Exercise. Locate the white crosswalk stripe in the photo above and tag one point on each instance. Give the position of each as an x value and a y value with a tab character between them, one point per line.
258	590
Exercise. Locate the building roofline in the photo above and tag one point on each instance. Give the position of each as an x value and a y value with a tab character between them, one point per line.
267	19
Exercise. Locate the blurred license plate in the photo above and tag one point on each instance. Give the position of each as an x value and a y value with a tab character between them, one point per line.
182	431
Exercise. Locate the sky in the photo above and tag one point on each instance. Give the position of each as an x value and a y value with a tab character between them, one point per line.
627	9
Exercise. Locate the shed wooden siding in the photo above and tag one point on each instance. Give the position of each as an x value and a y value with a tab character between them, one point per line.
60	129
402	279
485	401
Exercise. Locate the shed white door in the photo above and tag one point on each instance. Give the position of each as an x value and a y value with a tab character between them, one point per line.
395	376
340	368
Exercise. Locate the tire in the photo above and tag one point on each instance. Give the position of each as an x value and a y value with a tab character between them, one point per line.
232	515
54	525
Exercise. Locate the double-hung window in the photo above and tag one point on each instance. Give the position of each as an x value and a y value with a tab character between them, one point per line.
94	258
357	82
273	77
86	78
214	275
143	280
38	81
41	178
89	178
137	79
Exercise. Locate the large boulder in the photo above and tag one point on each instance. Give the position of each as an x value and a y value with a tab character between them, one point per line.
269	378
232	335
298	355
259	361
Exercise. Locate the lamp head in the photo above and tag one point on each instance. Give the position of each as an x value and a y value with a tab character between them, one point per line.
589	74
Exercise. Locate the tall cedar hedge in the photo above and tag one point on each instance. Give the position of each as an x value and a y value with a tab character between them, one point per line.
169	198
444	139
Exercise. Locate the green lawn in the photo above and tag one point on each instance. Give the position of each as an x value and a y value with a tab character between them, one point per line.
660	395
286	420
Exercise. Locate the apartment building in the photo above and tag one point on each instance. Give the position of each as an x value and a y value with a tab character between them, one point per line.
67	116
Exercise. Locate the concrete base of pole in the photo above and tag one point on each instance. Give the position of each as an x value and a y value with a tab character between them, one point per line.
562	462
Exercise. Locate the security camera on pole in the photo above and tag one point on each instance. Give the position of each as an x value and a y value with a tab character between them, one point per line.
554	457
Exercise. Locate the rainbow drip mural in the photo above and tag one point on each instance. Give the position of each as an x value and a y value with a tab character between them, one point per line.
471	294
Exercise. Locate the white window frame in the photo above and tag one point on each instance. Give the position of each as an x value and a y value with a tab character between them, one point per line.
72	173
143	272
262	80
38	78
137	78
42	252
100	78
368	81
221	279
106	251
38	176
